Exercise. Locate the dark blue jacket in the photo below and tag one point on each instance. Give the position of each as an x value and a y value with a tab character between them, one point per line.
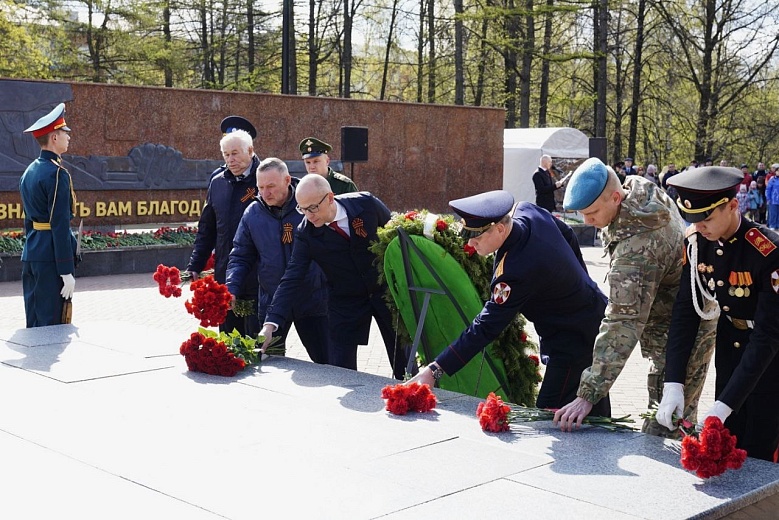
46	197
265	239
349	267
226	200
538	273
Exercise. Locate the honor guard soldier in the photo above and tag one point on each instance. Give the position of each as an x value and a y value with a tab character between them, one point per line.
735	262
316	158
48	258
642	232
537	273
231	189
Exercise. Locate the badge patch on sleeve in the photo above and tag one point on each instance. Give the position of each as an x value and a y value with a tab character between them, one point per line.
775	281
501	293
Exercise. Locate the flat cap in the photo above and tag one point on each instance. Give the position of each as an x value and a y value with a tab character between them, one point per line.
628	159
54	120
586	184
482	211
232	123
704	189
313	147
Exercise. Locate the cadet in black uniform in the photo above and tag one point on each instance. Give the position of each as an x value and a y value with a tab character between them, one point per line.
537	273
736	262
49	203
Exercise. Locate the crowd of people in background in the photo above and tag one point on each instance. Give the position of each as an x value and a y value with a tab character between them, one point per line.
758	195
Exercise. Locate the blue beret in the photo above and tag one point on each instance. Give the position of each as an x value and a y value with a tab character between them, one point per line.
586	184
480	212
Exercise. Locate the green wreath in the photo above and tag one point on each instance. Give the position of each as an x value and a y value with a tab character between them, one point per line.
512	347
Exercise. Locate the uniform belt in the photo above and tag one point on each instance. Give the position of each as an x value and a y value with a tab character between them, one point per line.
41	226
742	324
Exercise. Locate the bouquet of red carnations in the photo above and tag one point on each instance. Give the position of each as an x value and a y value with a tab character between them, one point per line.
168	279
711	451
210	302
409	397
210	356
496	416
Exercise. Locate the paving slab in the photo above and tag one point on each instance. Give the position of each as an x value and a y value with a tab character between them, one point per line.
119	413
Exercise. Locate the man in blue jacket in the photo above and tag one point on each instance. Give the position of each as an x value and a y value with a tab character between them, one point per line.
49	203
536	273
265	238
336	234
231	189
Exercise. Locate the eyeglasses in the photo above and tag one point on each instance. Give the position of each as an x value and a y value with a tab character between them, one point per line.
313	208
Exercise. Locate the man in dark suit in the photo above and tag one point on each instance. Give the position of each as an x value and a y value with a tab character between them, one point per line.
49	202
336	234
545	184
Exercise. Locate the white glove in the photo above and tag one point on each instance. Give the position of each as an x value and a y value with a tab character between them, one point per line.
719	409
672	403
68	285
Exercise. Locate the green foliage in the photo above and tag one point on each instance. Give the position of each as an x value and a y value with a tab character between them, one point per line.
244	347
512	346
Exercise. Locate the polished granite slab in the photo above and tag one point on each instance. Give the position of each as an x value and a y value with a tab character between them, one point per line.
110	412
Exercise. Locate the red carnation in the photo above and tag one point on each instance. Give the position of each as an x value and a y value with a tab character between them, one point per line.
210	356
411	215
469	250
712	451
441	225
210	302
409	397
493	414
168	280
534	359
210	263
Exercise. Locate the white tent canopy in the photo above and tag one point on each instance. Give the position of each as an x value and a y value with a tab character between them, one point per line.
523	148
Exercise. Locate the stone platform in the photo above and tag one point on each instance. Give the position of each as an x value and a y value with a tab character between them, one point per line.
102	420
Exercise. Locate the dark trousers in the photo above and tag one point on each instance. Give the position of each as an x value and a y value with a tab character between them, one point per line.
756	425
41	286
561	382
314	332
343	349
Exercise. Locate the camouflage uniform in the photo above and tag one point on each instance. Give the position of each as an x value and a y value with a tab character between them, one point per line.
645	245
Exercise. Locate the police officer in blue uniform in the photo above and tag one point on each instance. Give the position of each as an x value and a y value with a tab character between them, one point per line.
537	272
265	237
336	233
49	203
231	189
736	262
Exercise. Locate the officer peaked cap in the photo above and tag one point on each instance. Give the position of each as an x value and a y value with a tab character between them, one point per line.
482	211
232	123
703	189
54	120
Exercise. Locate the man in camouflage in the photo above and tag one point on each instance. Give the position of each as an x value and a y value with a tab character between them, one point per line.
643	234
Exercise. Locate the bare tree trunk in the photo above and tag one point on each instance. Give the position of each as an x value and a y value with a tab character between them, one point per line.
543	94
459	73
313	50
528	45
293	55
431	87
250	35
510	62
347	51
421	50
393	18
208	70
482	67
167	70
637	65
601	19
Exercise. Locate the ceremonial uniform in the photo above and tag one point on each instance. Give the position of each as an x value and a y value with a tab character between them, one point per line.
536	273
355	293
311	147
227	198
265	238
645	265
742	273
49	203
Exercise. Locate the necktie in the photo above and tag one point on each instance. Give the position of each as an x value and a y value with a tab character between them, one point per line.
338	230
